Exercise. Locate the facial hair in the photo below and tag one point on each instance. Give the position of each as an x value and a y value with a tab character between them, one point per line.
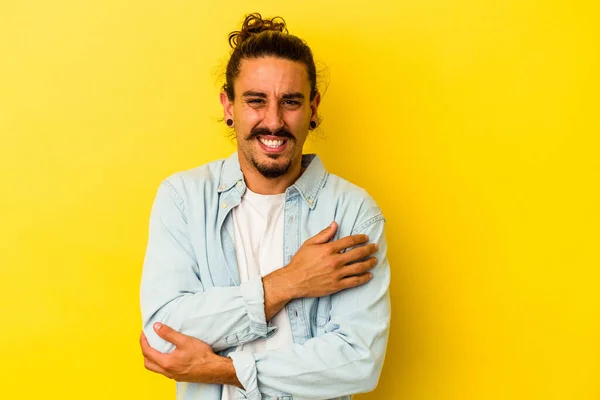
270	171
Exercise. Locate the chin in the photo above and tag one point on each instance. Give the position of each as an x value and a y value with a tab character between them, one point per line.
272	170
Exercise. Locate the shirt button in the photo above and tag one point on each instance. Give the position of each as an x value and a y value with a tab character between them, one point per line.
310	201
239	184
222	187
224	205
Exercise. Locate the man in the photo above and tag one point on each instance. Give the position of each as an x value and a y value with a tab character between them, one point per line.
246	292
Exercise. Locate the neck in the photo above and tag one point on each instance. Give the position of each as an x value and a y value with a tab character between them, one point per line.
261	185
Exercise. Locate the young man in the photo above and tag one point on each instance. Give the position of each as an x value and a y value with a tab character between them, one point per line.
244	294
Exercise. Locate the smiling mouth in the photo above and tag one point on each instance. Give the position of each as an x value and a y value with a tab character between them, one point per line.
273	144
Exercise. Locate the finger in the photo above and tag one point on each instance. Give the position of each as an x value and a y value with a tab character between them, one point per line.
154	367
324	236
359	268
151	353
358	253
355	280
348	241
169	334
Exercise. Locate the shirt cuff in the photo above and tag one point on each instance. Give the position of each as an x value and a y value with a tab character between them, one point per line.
254	298
245	370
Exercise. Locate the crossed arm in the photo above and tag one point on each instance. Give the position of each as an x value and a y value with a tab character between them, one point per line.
346	359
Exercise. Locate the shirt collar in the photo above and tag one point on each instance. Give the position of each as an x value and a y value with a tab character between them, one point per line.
308	185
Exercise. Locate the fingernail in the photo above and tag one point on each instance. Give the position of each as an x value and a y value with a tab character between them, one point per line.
376	246
157	326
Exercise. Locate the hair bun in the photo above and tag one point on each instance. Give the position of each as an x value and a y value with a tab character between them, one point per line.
255	24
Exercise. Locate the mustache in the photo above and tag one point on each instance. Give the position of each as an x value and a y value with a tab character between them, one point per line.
255	132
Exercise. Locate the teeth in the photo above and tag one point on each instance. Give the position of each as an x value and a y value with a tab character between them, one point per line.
271	143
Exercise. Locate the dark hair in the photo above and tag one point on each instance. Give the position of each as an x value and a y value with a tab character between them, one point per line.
263	38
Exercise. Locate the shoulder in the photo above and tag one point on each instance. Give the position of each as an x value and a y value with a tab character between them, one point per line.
352	202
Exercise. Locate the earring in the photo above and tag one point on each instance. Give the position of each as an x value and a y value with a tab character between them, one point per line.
313	124
229	122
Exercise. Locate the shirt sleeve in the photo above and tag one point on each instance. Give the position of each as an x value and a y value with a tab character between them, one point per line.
172	293
347	359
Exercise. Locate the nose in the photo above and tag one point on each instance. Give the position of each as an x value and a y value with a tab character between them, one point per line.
272	118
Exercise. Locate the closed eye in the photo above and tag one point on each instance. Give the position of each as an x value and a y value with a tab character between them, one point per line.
291	104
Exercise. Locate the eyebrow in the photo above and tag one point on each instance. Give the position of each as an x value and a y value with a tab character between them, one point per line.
287	96
251	93
295	95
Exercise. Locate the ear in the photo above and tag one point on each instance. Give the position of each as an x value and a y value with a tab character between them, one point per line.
314	106
227	106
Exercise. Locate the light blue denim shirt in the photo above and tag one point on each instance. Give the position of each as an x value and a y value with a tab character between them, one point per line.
190	282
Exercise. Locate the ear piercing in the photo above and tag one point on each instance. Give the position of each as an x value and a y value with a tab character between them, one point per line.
229	122
313	124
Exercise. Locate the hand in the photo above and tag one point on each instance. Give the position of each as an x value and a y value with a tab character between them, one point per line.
319	268
191	361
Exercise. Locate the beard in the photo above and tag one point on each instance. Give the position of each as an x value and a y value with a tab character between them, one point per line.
271	171
265	169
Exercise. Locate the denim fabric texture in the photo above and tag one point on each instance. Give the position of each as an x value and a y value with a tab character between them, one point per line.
190	282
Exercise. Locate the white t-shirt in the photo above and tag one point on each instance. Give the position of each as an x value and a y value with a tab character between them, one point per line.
258	228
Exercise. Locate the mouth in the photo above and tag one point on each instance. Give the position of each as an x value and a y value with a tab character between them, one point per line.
272	144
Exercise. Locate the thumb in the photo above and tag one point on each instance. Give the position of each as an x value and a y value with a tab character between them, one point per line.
169	334
325	235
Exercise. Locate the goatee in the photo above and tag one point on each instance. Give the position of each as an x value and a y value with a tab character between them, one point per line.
270	171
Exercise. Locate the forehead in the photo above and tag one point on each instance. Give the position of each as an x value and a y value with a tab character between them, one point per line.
272	76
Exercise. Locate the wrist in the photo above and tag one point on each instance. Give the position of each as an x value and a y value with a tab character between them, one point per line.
278	289
278	292
226	372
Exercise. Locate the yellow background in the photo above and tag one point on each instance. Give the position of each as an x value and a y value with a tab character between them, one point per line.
474	124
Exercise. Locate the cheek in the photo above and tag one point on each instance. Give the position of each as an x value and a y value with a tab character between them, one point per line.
298	120
248	117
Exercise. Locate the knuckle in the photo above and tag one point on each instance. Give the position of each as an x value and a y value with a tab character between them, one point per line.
332	263
353	281
344	243
359	253
365	267
357	268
